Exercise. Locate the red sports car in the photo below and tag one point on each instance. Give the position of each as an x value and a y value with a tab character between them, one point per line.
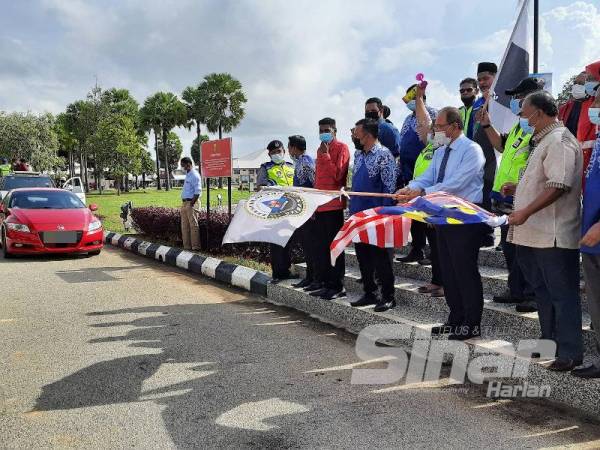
45	220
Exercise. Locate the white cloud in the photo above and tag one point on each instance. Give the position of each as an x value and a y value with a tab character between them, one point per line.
412	52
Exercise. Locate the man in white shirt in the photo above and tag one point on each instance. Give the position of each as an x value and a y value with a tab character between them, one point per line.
190	197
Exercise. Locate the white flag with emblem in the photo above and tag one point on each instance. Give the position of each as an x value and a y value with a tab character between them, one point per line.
273	214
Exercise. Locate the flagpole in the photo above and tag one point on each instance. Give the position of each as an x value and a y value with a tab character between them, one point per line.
536	12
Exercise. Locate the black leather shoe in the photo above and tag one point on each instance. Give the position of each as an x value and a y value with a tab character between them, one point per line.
564	365
527	306
333	293
443	329
586	372
319	292
302	283
464	332
411	257
365	300
314	286
384	305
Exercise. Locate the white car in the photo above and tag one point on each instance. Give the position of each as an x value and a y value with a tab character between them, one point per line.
75	186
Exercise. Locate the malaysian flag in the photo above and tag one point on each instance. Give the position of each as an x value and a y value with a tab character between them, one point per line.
388	226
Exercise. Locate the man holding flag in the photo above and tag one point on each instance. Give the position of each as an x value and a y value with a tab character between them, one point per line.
374	171
456	168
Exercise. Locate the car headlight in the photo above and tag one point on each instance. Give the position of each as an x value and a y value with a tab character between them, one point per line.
17	227
94	225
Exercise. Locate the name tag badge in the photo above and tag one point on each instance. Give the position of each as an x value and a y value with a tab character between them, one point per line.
517	143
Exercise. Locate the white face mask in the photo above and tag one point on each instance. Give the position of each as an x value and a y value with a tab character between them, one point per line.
578	91
278	158
440	139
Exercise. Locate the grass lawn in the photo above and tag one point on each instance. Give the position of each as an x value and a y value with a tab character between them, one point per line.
109	203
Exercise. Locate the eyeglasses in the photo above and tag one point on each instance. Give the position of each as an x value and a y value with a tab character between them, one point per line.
464	90
441	126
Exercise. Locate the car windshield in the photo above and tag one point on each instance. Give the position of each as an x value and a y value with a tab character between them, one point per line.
45	200
15	182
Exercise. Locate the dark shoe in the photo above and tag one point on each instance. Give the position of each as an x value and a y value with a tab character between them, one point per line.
333	293
413	256
319	292
428	289
314	286
507	298
384	305
443	329
563	365
365	300
424	262
302	283
586	372
464	332
527	306
438	293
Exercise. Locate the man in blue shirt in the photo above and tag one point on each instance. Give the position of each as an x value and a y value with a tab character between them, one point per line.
304	176
590	243
190	197
374	171
388	134
456	168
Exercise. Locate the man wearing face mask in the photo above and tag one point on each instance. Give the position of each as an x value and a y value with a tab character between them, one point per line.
277	172
514	147
468	95
486	74
586	131
304	176
388	133
545	226
331	172
570	112
590	243
456	168
374	171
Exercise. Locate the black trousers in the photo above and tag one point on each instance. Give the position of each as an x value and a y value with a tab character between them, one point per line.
281	260
458	250
436	276
327	224
307	234
418	233
517	283
373	261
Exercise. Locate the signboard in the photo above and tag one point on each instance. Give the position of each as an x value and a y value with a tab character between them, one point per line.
216	158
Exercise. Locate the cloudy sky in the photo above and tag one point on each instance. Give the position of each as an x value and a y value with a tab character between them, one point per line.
298	61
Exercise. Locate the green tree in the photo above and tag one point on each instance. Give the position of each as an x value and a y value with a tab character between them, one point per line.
30	136
174	150
195	148
565	93
167	112
150	122
67	144
226	102
147	166
197	104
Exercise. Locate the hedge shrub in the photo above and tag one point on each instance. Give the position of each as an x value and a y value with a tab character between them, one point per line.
165	224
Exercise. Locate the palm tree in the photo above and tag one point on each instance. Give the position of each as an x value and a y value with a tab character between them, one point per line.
150	121
225	100
197	106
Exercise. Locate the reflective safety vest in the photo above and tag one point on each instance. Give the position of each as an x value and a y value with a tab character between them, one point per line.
514	158
280	174
465	115
423	161
5	169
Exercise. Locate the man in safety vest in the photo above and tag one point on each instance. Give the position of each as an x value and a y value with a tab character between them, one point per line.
468	95
515	153
277	172
5	167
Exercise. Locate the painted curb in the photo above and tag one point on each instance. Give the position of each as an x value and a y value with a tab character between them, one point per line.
239	276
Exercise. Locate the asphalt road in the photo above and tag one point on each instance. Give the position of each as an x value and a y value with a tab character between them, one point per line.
116	351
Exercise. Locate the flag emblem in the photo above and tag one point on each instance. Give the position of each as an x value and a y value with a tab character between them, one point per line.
275	205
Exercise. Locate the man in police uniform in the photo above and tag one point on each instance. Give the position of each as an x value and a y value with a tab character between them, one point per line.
5	167
514	147
277	172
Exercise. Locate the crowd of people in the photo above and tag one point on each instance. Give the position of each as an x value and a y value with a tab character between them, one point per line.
550	162
16	165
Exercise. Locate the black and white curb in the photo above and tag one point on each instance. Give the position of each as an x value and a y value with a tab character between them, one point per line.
239	276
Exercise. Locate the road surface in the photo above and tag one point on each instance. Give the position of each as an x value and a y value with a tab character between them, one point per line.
117	351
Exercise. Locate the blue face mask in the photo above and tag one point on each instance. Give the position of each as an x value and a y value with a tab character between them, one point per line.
590	87
278	158
515	106
594	114
524	123
412	105
326	137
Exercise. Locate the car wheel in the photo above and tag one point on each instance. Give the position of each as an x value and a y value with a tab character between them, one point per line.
94	253
5	253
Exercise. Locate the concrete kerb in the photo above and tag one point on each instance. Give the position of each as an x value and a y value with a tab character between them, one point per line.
240	276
